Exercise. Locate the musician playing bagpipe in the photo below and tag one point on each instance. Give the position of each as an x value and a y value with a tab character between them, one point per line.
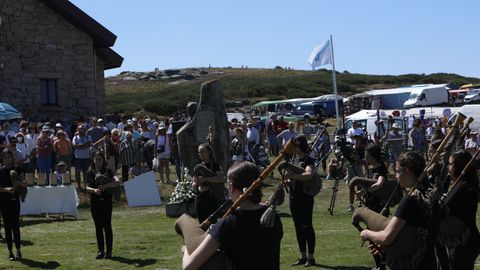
100	182
414	209
209	181
377	187
240	236
376	190
12	189
301	201
461	203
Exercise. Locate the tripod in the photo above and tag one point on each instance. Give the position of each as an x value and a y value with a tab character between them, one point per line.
339	175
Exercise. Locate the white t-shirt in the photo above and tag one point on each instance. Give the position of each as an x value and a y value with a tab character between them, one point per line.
163	140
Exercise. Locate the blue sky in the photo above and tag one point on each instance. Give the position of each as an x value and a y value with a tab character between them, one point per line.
372	37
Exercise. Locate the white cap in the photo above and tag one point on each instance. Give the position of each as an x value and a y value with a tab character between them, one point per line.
161	125
58	125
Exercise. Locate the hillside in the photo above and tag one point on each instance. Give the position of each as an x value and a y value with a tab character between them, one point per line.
164	92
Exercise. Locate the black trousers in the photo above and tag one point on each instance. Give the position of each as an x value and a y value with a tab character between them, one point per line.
102	217
463	257
206	204
10	213
301	208
125	169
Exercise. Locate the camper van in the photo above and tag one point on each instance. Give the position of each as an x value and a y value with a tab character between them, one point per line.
428	96
367	119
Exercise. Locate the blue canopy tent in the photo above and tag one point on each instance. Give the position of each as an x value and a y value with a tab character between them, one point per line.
8	112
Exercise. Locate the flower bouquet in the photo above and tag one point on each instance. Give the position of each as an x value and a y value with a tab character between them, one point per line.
182	198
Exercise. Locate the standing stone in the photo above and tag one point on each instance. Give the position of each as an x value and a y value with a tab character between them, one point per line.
210	112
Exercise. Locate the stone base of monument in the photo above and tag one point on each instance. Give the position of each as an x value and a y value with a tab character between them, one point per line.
176	209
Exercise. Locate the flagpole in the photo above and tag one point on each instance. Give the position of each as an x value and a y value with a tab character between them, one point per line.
334	83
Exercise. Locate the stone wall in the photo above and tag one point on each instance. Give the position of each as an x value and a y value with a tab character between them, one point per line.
36	43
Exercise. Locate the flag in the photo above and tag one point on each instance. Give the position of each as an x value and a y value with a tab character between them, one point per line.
321	55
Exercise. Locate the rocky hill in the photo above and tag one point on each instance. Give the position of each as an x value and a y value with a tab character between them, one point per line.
164	92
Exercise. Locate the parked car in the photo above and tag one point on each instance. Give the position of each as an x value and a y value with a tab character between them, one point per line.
473	96
313	111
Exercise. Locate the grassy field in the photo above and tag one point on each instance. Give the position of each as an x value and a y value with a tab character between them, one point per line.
144	238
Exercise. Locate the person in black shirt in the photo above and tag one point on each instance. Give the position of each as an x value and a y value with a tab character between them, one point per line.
209	181
378	188
101	203
462	203
10	202
301	205
240	236
414	209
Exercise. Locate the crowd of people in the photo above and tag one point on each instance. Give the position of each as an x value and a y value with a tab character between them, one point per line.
131	144
95	148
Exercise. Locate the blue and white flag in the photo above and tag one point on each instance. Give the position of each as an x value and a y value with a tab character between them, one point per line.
321	55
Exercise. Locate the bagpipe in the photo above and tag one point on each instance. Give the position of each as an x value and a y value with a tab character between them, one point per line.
409	244
19	185
103	179
218	191
311	187
389	195
464	132
193	233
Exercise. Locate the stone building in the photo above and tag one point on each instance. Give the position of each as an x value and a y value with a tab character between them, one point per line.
52	59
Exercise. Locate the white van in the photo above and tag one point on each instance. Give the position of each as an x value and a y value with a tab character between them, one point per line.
473	96
367	119
427	96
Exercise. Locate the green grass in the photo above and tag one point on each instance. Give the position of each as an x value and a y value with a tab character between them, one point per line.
144	238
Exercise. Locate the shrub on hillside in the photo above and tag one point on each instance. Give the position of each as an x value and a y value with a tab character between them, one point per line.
160	106
126	108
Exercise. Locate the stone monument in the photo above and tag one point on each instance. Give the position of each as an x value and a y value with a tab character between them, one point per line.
210	113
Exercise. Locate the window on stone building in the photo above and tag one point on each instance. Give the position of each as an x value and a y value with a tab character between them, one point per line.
48	91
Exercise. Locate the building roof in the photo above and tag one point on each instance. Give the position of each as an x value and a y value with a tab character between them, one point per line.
103	39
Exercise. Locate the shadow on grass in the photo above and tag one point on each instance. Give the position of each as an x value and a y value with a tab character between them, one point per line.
32	222
23	242
342	267
135	262
42	265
